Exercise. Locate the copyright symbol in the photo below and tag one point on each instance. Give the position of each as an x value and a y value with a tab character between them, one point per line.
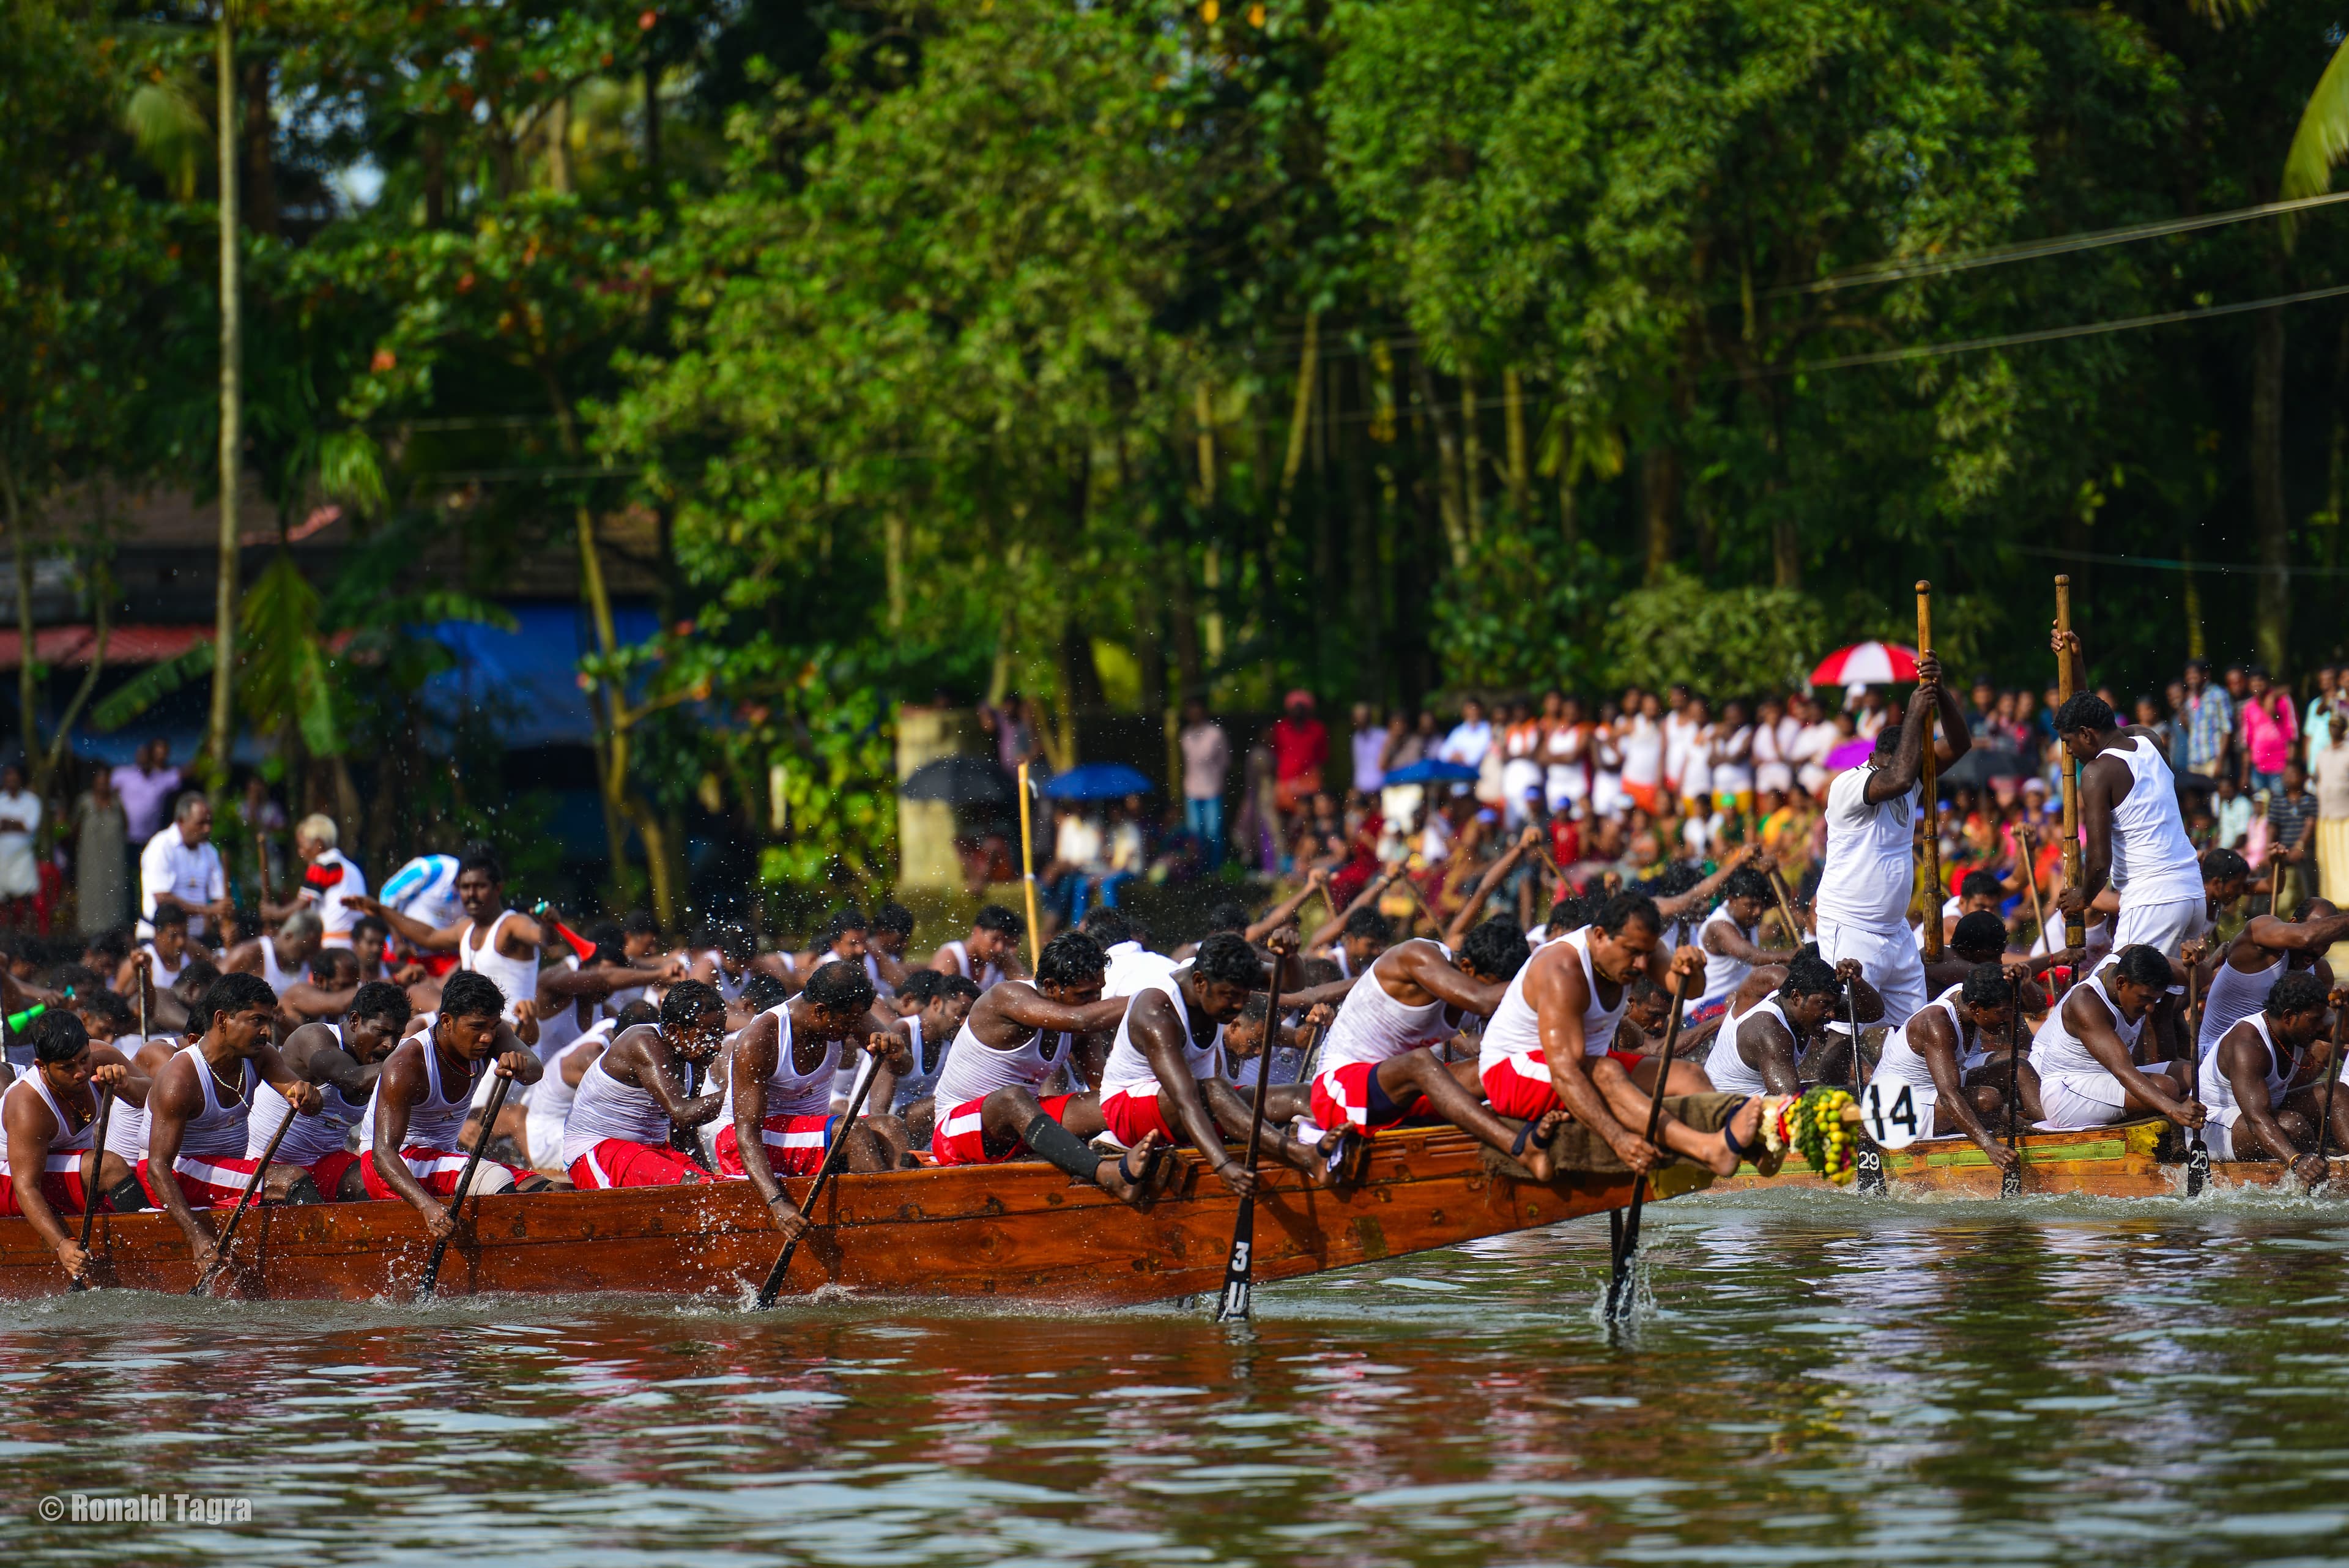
52	1508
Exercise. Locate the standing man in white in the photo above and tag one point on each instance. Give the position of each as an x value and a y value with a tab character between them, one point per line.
330	881
2132	832
1870	874
181	868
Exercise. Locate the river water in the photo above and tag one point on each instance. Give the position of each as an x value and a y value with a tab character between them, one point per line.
1816	1378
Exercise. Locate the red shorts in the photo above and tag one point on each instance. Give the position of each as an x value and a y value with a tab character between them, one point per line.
1130	1112
326	1175
435	1169
1520	1085
616	1162
957	1140
1342	1097
60	1184
206	1181
795	1146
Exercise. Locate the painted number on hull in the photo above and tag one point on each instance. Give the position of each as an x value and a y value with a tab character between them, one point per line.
1896	1114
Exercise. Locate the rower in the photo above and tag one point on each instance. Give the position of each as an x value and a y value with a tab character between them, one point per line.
1945	1042
2248	1076
725	965
332	985
1550	1046
423	1090
166	950
778	1093
2088	1076
989	956
884	948
617	1134
1378	1064
1731	941
342	1060
46	1117
841	941
932	1007
2263	953
494	941
1861	908
550	1098
1166	1068
571	996
125	1126
283	960
1776	1014
988	1107
2132	833
1979	939
199	1110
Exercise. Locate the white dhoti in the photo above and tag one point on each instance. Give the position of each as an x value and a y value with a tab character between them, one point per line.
1888	960
2163	925
2081	1100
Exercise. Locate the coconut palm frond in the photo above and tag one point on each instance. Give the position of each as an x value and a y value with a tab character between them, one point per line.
350	469
2321	139
173	133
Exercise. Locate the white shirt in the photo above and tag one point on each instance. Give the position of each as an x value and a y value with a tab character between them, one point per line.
192	875
1466	744
19	875
1643	751
1079	840
328	887
1869	875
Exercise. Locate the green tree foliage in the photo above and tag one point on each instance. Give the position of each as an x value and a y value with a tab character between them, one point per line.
1678	630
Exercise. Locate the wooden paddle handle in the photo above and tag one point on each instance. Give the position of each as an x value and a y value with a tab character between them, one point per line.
2075	928
1931	793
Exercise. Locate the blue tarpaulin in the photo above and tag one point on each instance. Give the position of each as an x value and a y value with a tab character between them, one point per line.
526	682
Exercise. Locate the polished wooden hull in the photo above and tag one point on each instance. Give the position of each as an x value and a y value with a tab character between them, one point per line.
1018	1232
2123	1161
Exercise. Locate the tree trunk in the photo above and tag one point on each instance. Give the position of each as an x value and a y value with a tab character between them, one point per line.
1521	490
2272	616
26	670
1785	554
260	149
436	181
1472	459
893	564
231	411
1363	556
1659	495
558	146
652	114
1450	501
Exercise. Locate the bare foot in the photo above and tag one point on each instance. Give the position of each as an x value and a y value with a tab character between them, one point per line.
1536	1157
1309	1158
1133	1176
1740	1140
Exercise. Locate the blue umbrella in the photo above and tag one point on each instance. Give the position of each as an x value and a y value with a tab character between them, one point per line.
1432	770
1097	781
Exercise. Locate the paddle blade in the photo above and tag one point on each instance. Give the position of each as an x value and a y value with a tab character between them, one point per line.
1239	1268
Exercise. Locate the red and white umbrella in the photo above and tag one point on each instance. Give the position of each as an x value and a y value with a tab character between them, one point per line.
1868	664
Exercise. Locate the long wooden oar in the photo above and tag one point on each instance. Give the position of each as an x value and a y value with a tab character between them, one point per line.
2075	934
1239	1267
823	1174
2011	1184
1868	1160
1626	1234
2031	874
2197	1153
244	1201
2332	1078
431	1280
1787	908
1434	926
90	1184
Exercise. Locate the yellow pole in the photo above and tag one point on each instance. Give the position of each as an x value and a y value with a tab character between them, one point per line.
1933	808
2076	927
1028	873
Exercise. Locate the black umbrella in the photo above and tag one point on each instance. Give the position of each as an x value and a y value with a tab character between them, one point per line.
959	781
1983	763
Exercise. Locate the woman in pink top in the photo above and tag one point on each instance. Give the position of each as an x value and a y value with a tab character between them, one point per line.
2268	734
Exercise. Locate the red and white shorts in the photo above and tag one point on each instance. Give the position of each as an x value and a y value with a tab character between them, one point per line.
795	1146
60	1184
1520	1085
435	1169
1342	1097
957	1140
617	1162
206	1181
1130	1112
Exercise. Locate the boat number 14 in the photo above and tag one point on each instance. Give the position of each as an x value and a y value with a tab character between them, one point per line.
1896	1114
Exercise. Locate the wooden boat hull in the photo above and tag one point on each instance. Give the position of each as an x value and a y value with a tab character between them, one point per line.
2121	1161
1018	1230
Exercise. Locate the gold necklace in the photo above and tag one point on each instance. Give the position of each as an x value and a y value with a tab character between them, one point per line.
235	1092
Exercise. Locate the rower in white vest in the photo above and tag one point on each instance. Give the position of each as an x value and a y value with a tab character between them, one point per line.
342	1060
1775	1015
2085	1050
1946	1043
2263	1105
494	941
1730	941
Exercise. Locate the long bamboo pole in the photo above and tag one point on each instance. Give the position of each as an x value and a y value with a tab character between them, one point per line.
1932	795
2076	927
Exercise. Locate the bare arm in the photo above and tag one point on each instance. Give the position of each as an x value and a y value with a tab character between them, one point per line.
1696	897
1280	914
1462	922
1336	924
1723	941
1154	1027
176	1098
1769	1050
1032	1008
2243	1056
2298	936
1559	998
1425	967
417	933
2092	1026
1931	1036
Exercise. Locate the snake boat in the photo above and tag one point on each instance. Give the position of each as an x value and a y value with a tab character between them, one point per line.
2131	1159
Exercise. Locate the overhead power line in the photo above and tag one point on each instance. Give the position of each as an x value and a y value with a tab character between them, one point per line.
2055	334
2060	245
